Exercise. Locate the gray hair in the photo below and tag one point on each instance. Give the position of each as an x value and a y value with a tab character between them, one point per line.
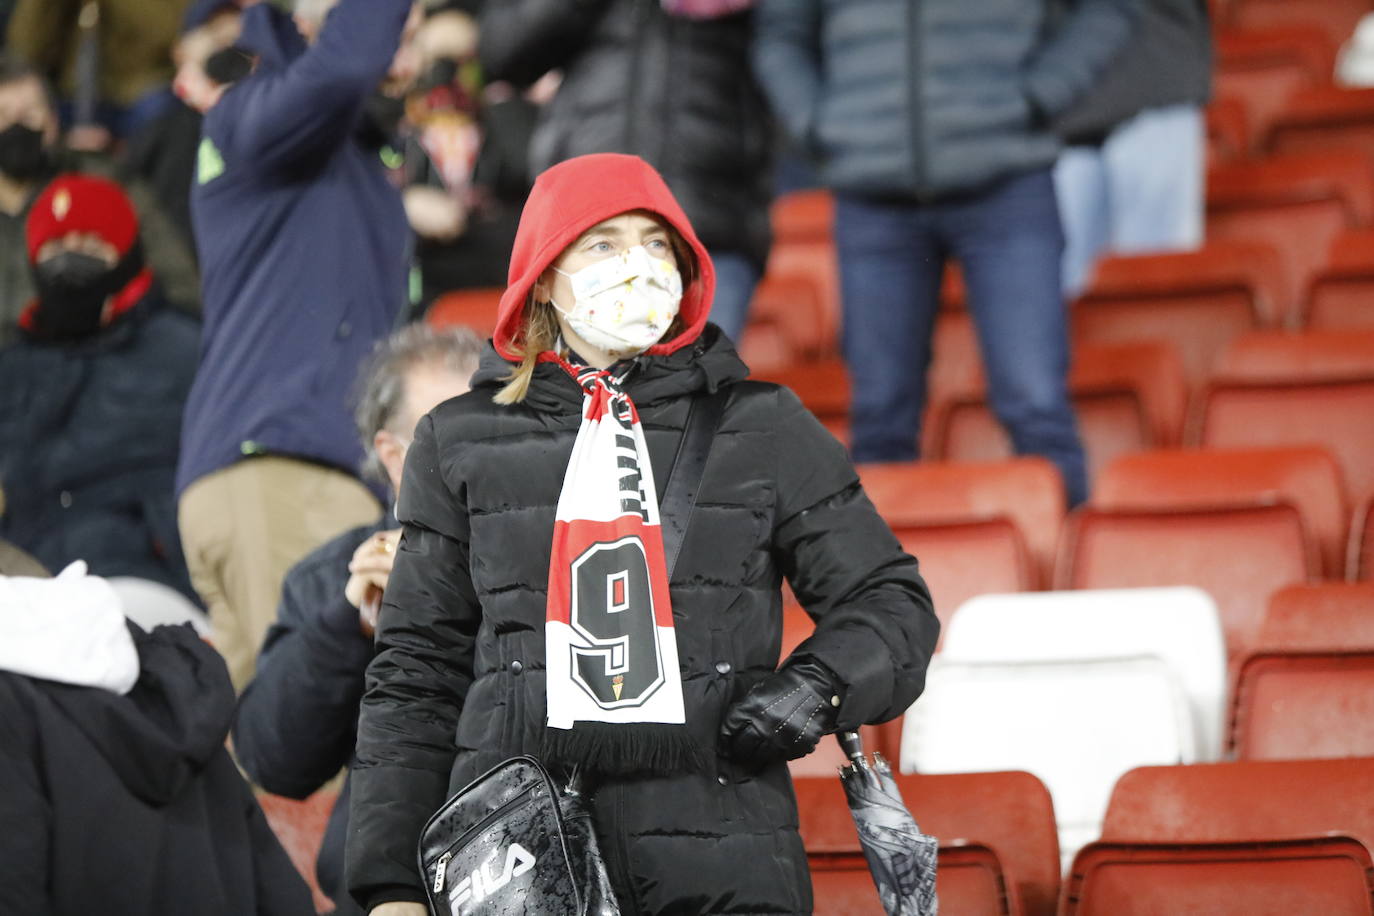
382	392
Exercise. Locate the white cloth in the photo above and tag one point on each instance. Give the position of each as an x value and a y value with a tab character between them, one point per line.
70	629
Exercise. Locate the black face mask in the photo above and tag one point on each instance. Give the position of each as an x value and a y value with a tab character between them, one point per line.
72	289
22	154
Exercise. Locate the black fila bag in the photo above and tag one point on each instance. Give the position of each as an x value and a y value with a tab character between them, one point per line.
512	840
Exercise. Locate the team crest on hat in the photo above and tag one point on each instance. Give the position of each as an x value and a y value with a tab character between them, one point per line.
61	204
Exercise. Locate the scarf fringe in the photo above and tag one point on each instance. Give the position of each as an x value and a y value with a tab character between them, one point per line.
624	750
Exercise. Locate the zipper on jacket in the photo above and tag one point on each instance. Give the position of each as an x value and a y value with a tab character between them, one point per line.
918	156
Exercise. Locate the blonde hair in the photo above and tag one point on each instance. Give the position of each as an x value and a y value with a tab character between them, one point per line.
539	330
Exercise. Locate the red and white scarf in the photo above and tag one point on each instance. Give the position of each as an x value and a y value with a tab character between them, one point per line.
614	691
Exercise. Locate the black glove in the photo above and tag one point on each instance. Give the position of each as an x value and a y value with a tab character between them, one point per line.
784	716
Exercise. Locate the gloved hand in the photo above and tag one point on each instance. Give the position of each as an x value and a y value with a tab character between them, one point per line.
784	716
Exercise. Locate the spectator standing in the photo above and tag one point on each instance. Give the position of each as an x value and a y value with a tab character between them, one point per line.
91	394
930	120
1131	177
302	244
668	81
297	721
30	156
116	792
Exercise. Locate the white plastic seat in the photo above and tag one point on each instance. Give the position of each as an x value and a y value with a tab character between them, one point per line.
1180	626
152	604
1077	725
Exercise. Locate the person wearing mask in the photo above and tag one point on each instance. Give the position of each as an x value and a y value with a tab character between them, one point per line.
302	246
297	721
514	499
1131	176
116	792
30	156
666	80
91	394
930	119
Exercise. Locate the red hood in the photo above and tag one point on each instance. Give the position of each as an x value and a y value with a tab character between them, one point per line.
569	199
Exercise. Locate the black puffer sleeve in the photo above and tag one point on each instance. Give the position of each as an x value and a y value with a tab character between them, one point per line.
416	684
875	624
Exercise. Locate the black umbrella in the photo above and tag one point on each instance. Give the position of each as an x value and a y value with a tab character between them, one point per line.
900	857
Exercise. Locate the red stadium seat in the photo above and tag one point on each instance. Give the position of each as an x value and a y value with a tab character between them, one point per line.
1298	203
1304	704
803	216
1028	491
1324	118
1198	300
1228	131
299	826
1128	397
960	560
783	320
812	261
1261	68
1320	616
1342	293
1331	876
1315	388
1335	18
1360	557
1008	813
1251	800
1237	554
969	879
471	308
1305	477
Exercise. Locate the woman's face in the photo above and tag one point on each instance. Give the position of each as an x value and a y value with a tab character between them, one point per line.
604	240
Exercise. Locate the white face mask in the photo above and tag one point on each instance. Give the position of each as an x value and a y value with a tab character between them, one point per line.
624	304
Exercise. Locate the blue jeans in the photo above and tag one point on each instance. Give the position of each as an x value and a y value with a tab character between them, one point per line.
736	277
1140	191
892	255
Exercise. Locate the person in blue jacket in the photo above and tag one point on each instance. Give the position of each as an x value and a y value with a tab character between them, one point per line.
297	720
302	246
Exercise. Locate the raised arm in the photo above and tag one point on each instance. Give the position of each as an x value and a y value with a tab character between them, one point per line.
416	685
875	624
283	114
521	40
787	62
1068	65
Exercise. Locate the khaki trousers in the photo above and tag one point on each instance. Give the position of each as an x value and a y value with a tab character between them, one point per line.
243	527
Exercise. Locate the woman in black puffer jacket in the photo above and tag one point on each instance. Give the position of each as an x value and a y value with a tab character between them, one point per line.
675	91
700	819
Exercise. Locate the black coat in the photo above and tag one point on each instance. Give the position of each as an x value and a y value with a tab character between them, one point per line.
461	649
130	805
88	445
922	98
678	93
297	721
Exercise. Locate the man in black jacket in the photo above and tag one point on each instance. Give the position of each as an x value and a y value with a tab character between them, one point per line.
930	120
675	91
298	719
116	793
1131	178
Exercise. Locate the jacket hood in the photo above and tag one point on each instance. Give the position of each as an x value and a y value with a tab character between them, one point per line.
162	733
570	198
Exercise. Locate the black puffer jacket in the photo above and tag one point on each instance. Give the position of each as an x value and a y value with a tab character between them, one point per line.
462	642
921	98
679	93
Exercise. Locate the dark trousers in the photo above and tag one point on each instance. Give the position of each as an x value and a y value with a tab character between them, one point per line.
1009	242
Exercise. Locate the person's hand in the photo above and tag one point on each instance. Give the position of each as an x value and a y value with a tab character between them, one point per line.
433	213
399	908
784	716
369	571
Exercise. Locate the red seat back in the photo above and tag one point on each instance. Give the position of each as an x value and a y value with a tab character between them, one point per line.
1335	18
1340	295
470	308
299	826
1328	875
1260	69
1238	555
1320	616
1305	477
968	879
1304	704
1323	118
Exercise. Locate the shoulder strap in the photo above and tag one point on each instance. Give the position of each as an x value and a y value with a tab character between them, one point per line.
684	478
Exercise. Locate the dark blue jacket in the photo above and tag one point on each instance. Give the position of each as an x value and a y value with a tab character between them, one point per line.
921	98
302	243
297	721
88	445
